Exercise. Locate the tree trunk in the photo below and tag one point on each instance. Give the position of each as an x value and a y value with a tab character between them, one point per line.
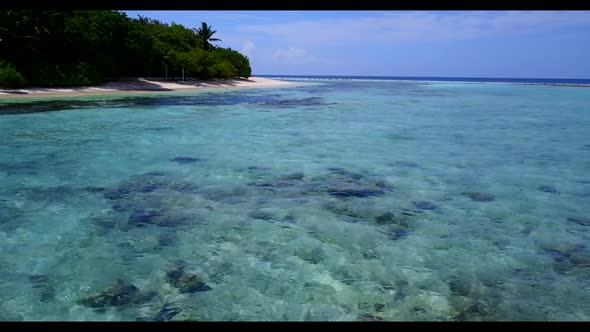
183	73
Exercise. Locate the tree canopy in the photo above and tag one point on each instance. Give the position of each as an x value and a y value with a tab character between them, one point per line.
68	48
205	33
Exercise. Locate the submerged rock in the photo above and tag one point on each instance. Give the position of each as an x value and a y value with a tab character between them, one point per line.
369	318
37	279
158	128
568	256
293	176
185	160
385	218
119	294
389	218
10	216
476	311
313	256
186	282
94	189
402	163
166	313
141	217
398	232
560	256
344	173
290	219
383	184
252	169
479	196
397	228
45	287
259	214
580	258
424	205
579	221
145	200
137	185
154	173
118	193
564	248
166	239
460	285
148	187
356	192
406	212
107	222
342	210
270	184
371	254
188	188
311	101
547	189
234	195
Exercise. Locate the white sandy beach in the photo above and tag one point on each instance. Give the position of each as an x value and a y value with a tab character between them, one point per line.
144	85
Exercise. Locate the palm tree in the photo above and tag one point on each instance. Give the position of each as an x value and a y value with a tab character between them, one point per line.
205	33
25	28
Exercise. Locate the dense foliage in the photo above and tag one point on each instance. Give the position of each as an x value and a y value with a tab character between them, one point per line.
50	48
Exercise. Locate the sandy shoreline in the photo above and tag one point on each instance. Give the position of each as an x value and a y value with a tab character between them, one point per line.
141	85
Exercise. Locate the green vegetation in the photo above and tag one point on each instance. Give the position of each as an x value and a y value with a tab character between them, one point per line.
51	48
206	34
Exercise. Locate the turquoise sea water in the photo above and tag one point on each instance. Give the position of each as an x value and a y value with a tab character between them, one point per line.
338	200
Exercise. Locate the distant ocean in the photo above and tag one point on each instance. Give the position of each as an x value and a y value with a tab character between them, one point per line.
438	79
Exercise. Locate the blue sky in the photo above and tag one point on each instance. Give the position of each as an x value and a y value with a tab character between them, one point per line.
524	44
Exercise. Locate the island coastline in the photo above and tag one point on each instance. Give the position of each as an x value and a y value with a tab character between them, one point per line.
143	85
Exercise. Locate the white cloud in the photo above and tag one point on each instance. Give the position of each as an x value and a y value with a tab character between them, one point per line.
292	55
248	47
419	26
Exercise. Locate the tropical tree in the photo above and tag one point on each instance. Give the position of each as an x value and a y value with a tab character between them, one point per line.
206	34
23	29
76	47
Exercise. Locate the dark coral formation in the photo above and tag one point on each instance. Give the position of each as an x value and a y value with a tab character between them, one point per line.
166	313
343	210
186	282
293	176
118	294
424	205
260	214
397	226
579	221
43	284
479	196
146	200
547	189
185	160
356	192
567	257
313	256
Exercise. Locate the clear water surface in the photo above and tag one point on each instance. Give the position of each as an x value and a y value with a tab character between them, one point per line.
338	200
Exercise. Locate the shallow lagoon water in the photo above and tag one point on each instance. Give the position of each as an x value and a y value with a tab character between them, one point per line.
341	200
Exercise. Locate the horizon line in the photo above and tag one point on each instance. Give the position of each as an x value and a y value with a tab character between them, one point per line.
528	78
